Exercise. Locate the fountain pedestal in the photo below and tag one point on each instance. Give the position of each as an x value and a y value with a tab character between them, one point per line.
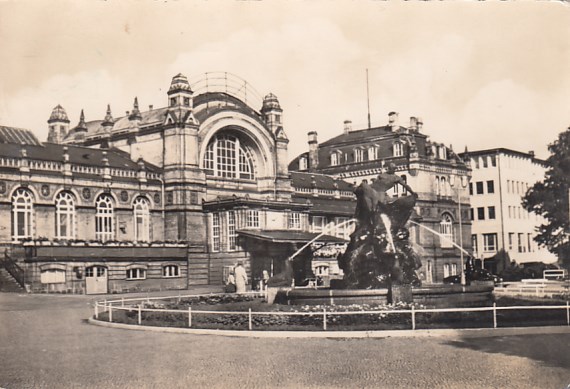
401	294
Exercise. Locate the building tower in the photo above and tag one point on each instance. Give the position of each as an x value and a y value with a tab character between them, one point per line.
272	113
58	125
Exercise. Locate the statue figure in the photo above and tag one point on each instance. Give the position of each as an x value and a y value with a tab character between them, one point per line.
379	253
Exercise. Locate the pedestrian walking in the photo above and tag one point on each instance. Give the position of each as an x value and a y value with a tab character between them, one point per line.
241	277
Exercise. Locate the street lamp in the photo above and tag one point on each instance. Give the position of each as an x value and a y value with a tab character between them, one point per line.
462	185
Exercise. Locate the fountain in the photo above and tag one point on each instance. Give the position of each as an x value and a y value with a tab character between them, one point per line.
380	264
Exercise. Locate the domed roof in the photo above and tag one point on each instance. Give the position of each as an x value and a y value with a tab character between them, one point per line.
270	101
58	115
179	82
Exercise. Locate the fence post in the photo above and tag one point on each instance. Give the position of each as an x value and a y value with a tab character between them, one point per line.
324	319
494	315
413	318
567	313
110	313
189	316
250	322
140	314
96	310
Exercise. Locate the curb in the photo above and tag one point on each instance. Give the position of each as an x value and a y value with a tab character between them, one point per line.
435	333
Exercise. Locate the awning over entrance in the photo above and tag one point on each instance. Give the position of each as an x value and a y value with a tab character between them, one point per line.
286	236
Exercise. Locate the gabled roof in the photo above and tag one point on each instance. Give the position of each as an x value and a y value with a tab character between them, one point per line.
19	136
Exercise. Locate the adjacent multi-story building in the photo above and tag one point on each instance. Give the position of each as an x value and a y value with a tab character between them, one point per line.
431	169
161	198
500	179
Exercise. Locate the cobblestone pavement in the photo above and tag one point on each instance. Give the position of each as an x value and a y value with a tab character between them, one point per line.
45	343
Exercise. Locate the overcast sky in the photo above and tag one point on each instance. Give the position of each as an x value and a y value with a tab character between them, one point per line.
481	74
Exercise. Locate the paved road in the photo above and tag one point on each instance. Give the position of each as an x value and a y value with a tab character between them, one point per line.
45	343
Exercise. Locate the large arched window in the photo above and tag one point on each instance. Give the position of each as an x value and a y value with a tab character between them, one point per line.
446	230
64	216
141	215
226	156
22	214
104	226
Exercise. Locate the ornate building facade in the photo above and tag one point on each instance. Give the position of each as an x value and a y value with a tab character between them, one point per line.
432	170
161	198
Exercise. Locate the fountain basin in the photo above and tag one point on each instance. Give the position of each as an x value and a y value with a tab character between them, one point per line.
433	296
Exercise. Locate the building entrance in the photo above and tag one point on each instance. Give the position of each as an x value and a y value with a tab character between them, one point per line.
96	280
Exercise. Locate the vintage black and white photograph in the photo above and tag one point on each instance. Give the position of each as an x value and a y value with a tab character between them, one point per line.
284	194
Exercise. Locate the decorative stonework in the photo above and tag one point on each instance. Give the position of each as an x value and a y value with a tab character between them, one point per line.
45	190
156	198
2	187
124	196
86	193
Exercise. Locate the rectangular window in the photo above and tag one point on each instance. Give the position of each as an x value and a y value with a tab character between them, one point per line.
529	242
471	189
232	236
170	271
319	223
358	155
491	211
334	159
446	270
490	242
252	218
491	186
485	163
398	149
493	161
52	276
521	242
453	269
472	214
511	241
216	232
479	185
476	160
474	243
294	221
187	101
481	213
136	274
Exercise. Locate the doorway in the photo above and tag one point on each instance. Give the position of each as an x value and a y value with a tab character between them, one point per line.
95	280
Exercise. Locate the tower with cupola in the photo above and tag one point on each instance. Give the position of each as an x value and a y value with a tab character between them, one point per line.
58	124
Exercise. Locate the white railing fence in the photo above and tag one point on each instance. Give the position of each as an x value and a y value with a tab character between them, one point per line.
111	306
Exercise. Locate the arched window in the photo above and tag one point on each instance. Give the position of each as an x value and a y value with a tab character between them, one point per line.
22	214
358	155
226	156
302	163
141	219
64	216
169	271
104	227
372	153
446	230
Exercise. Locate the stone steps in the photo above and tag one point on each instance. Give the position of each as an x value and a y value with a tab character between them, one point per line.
8	283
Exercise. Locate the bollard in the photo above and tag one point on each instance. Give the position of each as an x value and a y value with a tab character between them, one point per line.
413	318
110	313
189	316
140	314
494	315
324	319
96	310
250	321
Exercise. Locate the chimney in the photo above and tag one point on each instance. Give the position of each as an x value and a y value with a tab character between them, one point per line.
393	120
413	123
313	151
347	126
531	153
150	107
420	124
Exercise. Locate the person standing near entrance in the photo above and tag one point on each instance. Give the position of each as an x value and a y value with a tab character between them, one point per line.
241	277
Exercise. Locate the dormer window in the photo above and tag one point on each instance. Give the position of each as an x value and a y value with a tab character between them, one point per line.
372	153
398	149
334	159
442	152
358	155
303	163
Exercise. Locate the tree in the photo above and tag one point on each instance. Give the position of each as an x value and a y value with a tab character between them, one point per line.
550	198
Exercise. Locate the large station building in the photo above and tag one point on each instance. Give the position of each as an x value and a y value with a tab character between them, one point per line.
163	198
431	169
